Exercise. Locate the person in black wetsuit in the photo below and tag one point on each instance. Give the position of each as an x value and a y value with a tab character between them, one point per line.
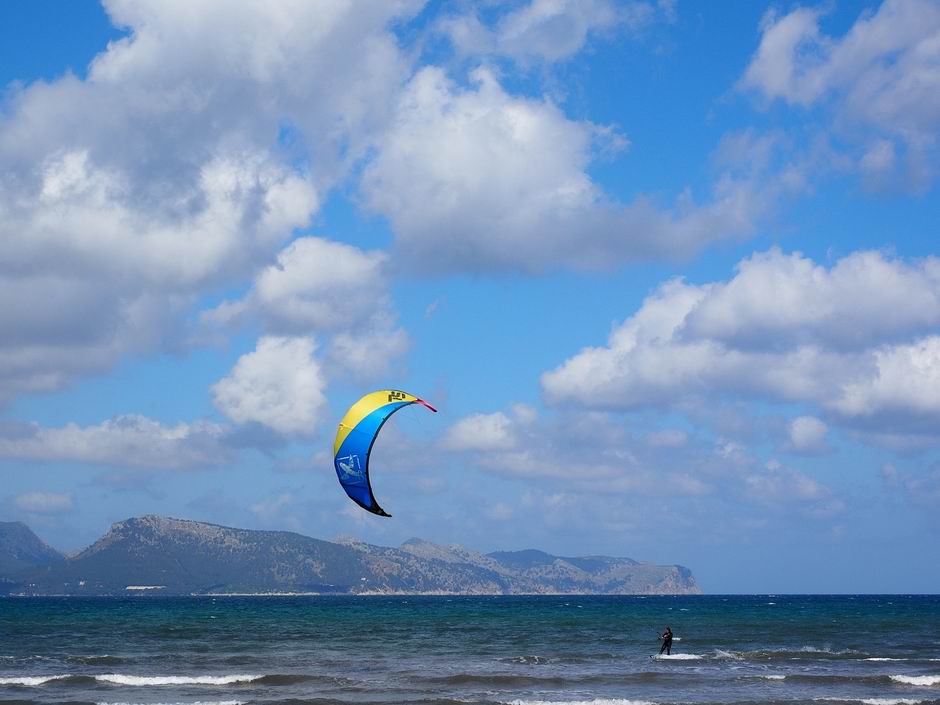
667	642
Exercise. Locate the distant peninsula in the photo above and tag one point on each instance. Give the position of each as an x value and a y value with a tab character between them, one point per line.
160	555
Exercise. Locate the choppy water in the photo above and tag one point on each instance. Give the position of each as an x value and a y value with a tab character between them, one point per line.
519	650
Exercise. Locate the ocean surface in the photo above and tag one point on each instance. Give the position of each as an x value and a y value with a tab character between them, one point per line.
487	650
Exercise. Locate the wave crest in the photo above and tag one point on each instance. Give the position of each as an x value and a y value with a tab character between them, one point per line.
31	681
596	701
917	680
198	702
120	679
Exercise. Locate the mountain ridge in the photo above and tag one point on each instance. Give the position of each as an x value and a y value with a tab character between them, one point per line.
166	555
22	550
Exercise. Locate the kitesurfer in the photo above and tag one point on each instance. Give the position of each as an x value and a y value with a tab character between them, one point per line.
667	642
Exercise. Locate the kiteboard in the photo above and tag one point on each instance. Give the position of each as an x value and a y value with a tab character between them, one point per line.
675	657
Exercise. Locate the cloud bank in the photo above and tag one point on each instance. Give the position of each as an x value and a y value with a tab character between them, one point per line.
475	179
177	166
124	441
881	80
845	340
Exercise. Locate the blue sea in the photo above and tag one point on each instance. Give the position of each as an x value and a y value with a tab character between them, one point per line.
487	650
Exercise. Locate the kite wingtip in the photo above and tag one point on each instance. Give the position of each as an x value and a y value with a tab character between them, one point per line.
424	403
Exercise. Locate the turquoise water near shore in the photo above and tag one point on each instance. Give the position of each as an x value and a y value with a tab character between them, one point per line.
883	650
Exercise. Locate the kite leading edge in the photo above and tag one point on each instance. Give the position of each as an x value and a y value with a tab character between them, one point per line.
354	439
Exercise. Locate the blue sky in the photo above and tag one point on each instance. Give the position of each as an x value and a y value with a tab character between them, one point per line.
668	272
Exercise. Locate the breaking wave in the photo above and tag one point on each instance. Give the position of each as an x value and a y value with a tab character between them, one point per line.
917	680
596	701
198	702
119	679
31	681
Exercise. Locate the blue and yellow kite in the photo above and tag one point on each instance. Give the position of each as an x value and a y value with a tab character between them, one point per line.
355	436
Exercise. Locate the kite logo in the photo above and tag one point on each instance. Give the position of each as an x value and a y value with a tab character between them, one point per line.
350	467
396	396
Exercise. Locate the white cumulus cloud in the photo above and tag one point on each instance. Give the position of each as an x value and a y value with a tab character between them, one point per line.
124	441
863	299
551	30
190	152
476	179
280	385
808	434
881	77
314	285
905	380
481	432
321	286
601	462
783	329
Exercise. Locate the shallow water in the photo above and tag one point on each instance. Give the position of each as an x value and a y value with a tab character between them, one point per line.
520	650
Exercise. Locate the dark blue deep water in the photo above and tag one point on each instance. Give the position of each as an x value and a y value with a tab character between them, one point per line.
523	650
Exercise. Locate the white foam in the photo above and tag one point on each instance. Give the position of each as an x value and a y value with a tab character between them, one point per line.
871	701
31	680
721	653
596	701
773	677
198	702
884	658
917	680
119	679
678	657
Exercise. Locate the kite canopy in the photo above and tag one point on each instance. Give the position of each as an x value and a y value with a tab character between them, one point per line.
355	436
